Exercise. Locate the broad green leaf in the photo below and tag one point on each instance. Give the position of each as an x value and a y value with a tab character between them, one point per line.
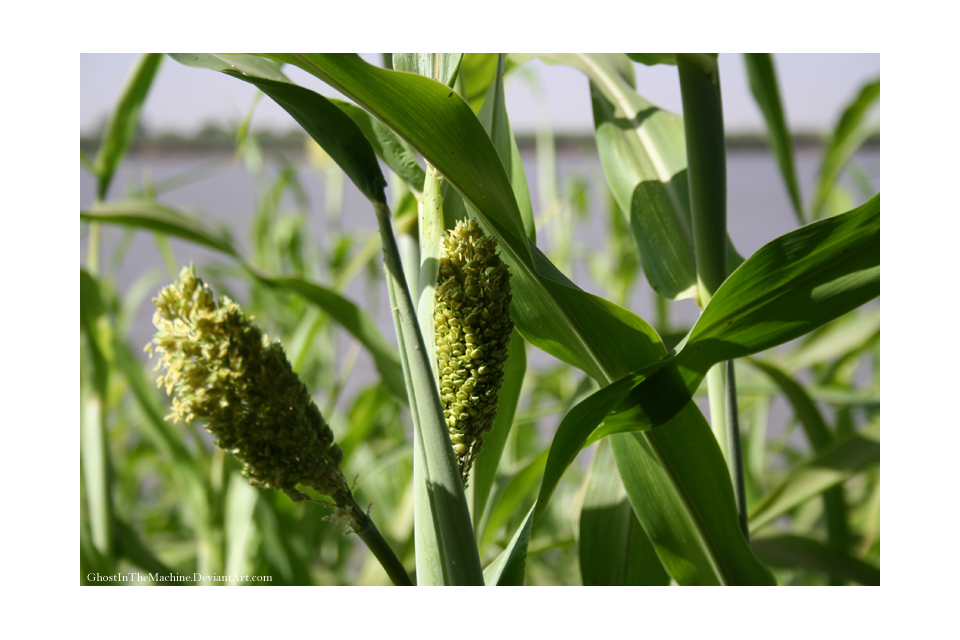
651	59
333	130
614	550
146	215
391	149
763	84
493	117
843	459
696	531
796	552
853	129
441	67
478	71
792	285
644	157
123	123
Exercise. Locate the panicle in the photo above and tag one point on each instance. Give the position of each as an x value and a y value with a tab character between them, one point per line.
472	328
222	370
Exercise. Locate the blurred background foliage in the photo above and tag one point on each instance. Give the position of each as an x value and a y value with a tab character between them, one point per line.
158	497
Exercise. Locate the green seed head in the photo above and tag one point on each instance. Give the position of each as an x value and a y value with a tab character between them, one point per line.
472	326
220	368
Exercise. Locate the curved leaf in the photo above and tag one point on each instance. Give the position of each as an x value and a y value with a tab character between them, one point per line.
853	129
123	124
651	59
763	84
614	549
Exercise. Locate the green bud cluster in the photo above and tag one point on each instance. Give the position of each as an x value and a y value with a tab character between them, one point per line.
472	328
221	369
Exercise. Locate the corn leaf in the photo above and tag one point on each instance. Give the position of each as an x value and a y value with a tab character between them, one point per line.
614	550
852	130
123	124
763	84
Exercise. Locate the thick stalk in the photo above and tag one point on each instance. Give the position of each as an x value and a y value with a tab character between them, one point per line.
441	494
707	177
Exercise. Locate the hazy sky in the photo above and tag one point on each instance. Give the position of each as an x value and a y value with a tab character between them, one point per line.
814	87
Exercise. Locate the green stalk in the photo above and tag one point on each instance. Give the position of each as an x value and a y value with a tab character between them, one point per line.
707	177
449	532
431	231
367	531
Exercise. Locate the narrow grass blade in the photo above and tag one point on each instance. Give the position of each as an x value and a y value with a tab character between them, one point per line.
796	552
123	124
94	450
853	129
845	458
763	84
614	550
820	437
238	526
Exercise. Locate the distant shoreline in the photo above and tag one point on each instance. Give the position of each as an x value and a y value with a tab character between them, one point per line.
212	141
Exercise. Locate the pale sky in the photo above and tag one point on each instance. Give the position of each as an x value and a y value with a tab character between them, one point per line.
814	87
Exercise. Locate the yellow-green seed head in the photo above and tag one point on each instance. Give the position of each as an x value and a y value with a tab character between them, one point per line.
472	328
221	369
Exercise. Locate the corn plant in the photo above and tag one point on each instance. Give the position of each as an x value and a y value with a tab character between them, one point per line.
472	496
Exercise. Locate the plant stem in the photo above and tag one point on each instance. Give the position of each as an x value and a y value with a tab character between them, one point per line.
707	177
367	531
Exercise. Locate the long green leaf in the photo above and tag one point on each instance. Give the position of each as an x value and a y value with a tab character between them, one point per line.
508	569
843	459
853	129
123	124
614	550
796	552
390	148
792	285
763	84
644	159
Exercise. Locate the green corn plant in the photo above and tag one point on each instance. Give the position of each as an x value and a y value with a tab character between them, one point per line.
477	494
